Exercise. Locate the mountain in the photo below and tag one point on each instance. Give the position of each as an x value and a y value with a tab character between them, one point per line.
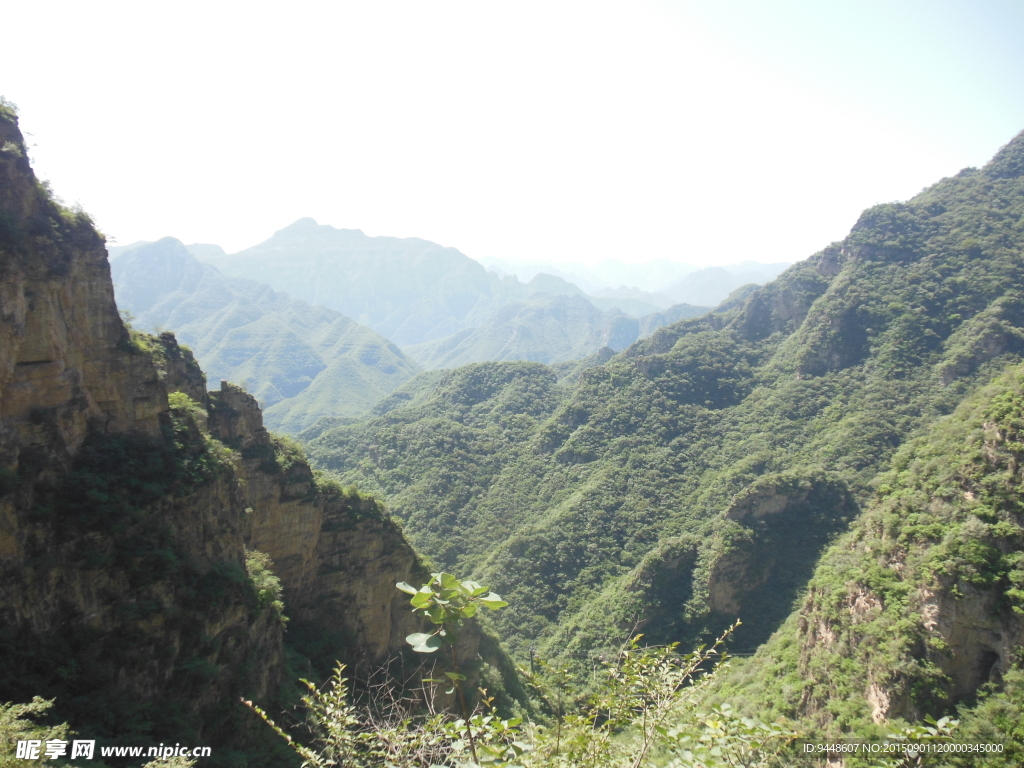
442	307
642	288
407	289
651	302
545	329
200	250
301	361
713	284
154	533
699	475
650	276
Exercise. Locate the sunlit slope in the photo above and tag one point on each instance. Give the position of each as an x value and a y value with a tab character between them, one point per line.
301	361
922	602
698	475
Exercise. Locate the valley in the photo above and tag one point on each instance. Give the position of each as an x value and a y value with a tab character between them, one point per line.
831	455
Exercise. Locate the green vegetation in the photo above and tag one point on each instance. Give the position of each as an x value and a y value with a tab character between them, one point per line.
544	328
8	109
912	603
19	722
407	289
448	603
259	568
647	706
700	474
442	307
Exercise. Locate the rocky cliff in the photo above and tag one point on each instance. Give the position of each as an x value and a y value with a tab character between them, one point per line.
337	553
128	498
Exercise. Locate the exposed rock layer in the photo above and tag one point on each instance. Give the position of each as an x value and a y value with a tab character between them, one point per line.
123	524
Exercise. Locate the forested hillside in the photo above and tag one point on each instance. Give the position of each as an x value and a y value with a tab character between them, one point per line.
922	602
698	475
301	361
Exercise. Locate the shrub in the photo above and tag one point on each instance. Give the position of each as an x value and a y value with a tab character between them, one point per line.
258	566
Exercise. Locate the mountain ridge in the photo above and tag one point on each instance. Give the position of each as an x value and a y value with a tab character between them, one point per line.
293	355
793	395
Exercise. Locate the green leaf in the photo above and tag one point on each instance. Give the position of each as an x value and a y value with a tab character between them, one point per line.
448	581
406	588
436	613
493	601
421	599
454	676
421	642
470	610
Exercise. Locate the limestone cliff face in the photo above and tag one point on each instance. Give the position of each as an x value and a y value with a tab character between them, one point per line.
765	543
338	555
66	359
124	519
121	534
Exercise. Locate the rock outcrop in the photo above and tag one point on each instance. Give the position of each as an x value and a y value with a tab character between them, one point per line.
121	552
126	509
337	553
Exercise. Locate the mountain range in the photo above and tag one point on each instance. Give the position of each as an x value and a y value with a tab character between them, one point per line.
704	473
305	360
410	290
835	457
649	286
301	361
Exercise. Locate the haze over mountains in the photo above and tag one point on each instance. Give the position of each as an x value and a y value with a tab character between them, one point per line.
301	361
441	307
420	305
410	290
657	284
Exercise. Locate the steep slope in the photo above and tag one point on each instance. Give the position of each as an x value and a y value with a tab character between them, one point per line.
301	361
128	499
699	474
922	602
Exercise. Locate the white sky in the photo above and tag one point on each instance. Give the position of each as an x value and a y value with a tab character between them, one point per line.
568	131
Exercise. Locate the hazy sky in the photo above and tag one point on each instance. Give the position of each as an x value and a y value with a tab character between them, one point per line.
708	132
